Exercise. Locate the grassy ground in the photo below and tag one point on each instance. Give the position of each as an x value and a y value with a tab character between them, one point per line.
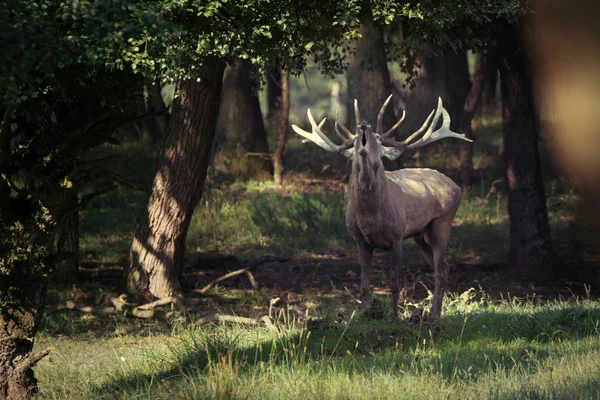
541	344
510	349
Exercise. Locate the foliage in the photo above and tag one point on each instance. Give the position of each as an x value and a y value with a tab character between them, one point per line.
25	250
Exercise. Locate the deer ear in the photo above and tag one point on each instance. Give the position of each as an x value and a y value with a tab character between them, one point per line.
391	152
349	153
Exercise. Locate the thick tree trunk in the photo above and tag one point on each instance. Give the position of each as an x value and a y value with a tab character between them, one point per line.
530	246
445	76
19	321
283	127
67	245
156	255
422	98
23	271
242	147
368	78
470	106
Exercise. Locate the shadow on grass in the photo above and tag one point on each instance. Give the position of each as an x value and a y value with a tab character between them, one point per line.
464	347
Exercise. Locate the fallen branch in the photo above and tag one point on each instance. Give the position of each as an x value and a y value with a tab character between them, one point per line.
224	277
175	300
146	311
246	270
32	359
238	320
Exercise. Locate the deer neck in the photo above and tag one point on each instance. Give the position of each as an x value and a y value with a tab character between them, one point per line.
368	189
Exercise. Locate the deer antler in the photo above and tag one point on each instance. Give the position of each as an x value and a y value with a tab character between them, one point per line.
430	135
380	119
319	138
349	134
356	113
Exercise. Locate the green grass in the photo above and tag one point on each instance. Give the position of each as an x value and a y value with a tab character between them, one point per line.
481	349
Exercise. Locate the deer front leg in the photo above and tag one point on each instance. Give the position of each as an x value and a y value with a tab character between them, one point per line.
395	268
365	255
440	233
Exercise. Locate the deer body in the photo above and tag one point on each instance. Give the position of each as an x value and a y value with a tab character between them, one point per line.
386	207
401	207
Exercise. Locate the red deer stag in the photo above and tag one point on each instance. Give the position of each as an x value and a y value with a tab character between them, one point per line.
386	207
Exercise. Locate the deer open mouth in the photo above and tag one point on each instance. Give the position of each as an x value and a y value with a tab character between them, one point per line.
364	138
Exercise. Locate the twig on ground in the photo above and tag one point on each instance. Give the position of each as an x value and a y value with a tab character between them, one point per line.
146	311
246	270
238	320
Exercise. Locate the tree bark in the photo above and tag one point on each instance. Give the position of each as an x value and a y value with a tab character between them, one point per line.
422	98
240	127
156	255
530	246
274	92
458	85
368	78
445	76
68	240
23	270
19	321
489	97
283	127
154	124
470	106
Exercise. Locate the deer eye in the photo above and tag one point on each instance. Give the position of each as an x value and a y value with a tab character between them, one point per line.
378	136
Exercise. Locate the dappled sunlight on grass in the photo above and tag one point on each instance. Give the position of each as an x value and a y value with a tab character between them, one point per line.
481	348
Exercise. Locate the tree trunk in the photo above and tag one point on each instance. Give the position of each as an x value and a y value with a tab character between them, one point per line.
153	125
283	126
368	81
445	76
68	241
23	270
274	92
458	85
240	127
489	97
422	98
368	78
19	321
156	255
470	106
530	246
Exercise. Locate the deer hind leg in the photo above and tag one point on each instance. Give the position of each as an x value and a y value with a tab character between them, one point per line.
439	235
425	249
395	267
427	253
365	255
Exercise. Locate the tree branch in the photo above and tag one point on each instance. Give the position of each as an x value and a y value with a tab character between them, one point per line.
246	270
